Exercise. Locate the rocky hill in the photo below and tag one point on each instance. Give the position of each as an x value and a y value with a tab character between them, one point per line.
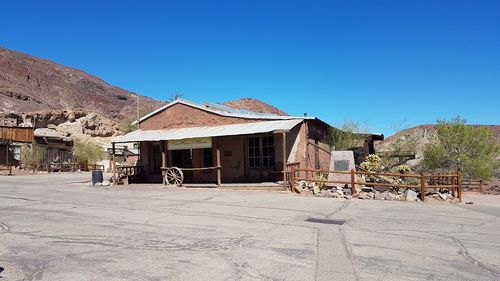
413	140
30	84
254	105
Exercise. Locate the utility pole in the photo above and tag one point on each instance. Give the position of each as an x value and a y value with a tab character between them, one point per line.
138	112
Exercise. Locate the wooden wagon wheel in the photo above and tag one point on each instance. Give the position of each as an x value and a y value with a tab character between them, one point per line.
174	176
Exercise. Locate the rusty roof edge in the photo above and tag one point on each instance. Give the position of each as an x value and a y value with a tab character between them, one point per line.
208	131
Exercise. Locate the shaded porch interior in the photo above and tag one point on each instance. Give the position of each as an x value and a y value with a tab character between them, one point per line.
254	158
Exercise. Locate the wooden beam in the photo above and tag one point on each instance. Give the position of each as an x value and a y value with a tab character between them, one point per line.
7	153
7	159
163	161
459	188
353	182
219	166
284	158
319	147
422	187
115	180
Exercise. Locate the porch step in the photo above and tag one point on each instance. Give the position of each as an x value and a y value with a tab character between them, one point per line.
259	186
266	186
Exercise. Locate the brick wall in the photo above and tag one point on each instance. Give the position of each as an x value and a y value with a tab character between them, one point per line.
184	116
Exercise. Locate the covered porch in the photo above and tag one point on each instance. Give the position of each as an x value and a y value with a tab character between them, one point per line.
241	153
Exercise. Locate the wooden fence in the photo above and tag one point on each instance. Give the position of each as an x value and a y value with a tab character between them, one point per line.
451	181
471	184
7	168
60	167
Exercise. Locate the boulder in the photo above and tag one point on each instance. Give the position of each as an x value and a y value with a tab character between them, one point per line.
306	192
365	195
390	196
442	196
378	196
316	189
410	195
297	188
367	189
106	183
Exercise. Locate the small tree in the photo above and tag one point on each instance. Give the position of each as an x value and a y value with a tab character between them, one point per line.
127	125
32	155
87	152
346	136
399	149
461	147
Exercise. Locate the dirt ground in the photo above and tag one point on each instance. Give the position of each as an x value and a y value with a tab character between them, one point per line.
58	227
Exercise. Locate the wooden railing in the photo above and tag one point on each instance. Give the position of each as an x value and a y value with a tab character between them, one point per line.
125	173
7	168
63	167
94	167
289	168
472	183
129	170
60	167
217	170
452	181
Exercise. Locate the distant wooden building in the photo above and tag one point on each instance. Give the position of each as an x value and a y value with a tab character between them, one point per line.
8	136
57	147
215	143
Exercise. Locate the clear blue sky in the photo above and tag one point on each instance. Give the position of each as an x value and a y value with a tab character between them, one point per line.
381	63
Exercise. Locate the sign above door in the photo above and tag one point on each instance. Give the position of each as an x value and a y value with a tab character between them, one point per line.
189	143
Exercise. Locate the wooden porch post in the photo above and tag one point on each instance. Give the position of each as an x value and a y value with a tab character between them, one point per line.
459	187
163	160
353	182
114	165
284	159
7	153
422	187
7	162
218	166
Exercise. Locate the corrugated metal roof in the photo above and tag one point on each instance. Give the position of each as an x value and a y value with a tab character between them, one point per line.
220	111
51	133
215	131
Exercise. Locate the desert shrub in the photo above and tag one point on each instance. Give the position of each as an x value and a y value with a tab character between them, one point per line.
464	148
347	136
405	169
87	152
32	155
402	169
318	178
372	163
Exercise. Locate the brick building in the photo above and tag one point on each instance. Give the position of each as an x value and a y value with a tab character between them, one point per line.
210	140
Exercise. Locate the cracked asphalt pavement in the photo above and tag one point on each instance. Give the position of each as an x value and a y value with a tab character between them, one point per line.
57	227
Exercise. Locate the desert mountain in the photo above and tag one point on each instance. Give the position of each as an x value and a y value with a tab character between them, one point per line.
254	105
30	84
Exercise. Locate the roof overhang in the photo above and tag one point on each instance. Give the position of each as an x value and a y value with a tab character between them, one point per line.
213	131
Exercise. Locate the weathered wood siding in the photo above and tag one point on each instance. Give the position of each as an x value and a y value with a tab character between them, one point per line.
18	134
